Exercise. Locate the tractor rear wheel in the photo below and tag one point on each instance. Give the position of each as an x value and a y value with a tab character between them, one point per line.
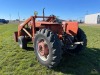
47	48
22	42
81	36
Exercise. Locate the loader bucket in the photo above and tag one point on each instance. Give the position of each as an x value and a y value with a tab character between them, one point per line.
16	36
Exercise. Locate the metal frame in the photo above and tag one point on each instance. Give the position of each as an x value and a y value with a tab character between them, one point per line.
70	28
32	19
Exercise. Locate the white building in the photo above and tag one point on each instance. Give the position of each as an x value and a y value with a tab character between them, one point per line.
92	19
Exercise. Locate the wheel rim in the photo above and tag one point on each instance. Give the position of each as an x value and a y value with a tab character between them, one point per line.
42	49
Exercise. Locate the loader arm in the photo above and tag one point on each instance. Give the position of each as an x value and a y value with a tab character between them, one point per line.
31	22
21	26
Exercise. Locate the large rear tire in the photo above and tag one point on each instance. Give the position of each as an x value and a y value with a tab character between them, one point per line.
52	53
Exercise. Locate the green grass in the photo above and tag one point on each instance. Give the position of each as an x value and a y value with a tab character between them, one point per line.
16	61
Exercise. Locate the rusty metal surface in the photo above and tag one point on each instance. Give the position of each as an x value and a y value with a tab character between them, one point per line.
70	28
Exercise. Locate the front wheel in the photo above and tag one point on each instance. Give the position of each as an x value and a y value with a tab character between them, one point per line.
22	42
47	48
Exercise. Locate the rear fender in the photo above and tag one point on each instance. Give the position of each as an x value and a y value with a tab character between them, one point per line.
71	28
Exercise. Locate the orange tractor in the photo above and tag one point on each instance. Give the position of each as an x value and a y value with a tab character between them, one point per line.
51	37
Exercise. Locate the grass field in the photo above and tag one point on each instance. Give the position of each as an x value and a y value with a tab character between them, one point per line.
16	61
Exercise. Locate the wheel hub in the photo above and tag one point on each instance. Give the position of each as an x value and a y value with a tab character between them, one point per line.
43	48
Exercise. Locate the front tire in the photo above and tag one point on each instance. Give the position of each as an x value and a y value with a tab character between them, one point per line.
53	52
22	42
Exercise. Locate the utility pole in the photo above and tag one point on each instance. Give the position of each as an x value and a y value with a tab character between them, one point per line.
10	17
19	17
